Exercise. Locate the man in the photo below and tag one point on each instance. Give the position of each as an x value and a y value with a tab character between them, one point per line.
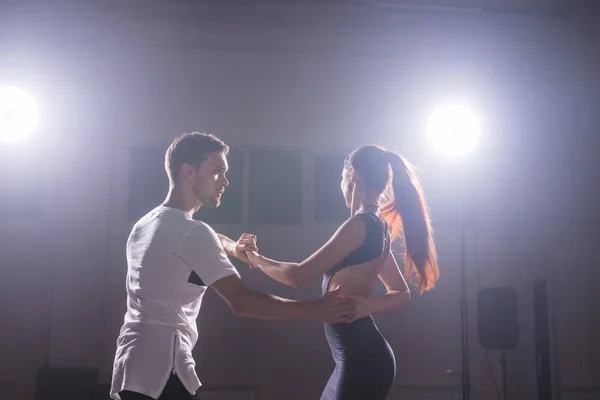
171	260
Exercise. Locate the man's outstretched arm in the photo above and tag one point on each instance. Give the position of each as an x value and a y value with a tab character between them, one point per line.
248	303
204	253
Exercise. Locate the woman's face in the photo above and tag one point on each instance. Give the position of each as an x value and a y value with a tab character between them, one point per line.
347	186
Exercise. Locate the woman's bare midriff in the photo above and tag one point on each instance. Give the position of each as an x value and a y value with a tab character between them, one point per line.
356	279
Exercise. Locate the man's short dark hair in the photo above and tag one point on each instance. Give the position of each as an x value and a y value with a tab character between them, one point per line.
191	148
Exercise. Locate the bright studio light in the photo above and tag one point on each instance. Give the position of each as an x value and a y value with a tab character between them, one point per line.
18	114
453	130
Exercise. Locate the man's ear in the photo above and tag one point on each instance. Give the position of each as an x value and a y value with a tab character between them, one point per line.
187	172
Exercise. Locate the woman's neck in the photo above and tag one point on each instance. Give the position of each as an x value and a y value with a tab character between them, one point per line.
363	201
366	207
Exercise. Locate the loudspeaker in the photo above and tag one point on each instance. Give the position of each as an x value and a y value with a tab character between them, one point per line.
497	318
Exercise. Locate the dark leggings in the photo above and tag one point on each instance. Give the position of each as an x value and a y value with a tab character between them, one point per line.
173	391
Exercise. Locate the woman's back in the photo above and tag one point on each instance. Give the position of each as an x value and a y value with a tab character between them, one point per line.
356	273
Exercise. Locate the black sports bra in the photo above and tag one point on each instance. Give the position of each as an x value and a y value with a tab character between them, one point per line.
377	241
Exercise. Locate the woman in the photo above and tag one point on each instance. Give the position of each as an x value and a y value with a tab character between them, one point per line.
382	192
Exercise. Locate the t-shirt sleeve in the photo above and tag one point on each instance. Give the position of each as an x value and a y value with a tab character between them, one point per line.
202	251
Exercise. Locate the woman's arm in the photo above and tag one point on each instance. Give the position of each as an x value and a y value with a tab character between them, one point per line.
346	239
398	293
282	272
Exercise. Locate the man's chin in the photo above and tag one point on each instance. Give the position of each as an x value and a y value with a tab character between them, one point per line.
213	203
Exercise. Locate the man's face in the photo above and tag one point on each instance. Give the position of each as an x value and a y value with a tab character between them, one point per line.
210	181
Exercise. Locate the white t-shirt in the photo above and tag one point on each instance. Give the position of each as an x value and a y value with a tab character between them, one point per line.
171	260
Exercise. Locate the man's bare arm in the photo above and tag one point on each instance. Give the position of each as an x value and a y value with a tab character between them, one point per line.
249	303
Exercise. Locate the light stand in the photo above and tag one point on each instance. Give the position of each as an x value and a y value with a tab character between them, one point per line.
454	130
465	376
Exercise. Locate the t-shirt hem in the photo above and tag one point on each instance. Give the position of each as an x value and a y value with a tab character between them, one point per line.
133	388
